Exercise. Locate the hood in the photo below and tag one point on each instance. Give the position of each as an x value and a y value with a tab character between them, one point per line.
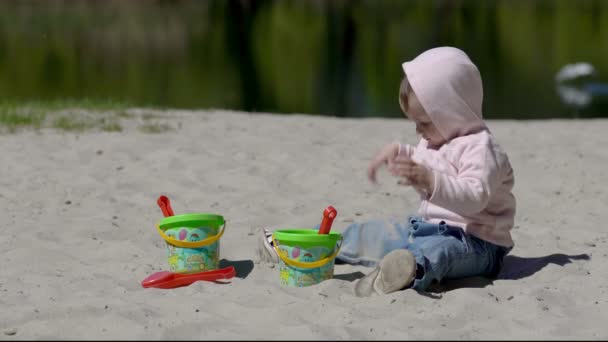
449	88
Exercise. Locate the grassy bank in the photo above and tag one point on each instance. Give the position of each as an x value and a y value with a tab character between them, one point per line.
73	115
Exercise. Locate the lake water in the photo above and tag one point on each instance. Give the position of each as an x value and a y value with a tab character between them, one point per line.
340	58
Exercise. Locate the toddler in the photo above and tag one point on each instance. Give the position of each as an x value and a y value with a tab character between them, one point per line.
464	179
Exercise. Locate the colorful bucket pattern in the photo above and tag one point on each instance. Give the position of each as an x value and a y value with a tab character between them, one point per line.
299	277
306	262
192	241
192	260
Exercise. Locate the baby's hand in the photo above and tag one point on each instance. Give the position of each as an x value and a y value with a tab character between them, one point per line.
386	155
412	173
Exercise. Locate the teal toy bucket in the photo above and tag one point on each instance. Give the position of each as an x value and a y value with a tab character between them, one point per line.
192	241
305	256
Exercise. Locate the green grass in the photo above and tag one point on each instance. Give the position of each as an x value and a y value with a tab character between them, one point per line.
13	118
75	116
111	127
154	127
123	114
15	115
149	116
70	123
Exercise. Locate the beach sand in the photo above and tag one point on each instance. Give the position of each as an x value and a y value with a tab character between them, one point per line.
79	214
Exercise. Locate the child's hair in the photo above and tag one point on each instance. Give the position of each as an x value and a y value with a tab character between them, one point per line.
403	90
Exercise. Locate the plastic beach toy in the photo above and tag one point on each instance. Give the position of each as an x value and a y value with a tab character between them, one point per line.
192	241
328	218
165	205
306	256
169	280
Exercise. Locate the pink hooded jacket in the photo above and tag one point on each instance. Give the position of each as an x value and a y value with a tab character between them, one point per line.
473	176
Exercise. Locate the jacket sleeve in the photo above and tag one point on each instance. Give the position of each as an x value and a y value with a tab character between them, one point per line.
469	191
405	150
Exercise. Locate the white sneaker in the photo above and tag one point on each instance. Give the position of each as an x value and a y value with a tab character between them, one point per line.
265	248
394	272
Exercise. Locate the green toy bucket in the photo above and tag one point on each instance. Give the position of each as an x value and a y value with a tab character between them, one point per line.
305	256
192	241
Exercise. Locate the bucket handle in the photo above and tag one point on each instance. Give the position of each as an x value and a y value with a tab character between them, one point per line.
191	244
314	264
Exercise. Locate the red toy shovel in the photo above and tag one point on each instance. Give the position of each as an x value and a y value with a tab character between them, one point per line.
165	205
169	280
328	218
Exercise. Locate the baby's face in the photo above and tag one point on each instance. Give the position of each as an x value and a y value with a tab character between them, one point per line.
424	125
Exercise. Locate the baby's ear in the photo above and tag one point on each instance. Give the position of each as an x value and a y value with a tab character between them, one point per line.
403	94
402	105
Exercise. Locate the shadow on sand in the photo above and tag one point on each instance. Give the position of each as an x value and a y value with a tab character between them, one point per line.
242	267
514	268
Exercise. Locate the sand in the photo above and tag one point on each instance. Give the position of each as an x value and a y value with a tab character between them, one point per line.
79	214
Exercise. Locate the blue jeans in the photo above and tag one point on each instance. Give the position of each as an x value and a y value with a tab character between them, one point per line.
442	251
